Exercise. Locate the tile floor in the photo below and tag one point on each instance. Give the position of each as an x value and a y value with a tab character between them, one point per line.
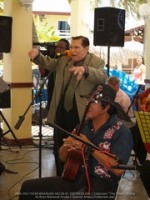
25	162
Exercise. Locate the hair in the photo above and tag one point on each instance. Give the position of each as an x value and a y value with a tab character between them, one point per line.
85	40
111	110
67	43
142	59
113	80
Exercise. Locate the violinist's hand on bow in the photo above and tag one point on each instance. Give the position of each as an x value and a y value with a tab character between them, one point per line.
74	144
70	144
84	138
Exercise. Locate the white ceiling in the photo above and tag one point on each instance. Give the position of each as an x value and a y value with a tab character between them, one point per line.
51	5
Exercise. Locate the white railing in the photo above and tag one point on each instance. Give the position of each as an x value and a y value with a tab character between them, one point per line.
63	33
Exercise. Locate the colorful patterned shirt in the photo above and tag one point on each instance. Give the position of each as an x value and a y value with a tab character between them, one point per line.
115	137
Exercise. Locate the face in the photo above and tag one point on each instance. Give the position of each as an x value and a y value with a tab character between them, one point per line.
96	110
139	60
61	47
77	50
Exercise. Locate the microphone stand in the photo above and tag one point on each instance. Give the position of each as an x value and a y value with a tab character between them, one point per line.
74	136
134	97
21	118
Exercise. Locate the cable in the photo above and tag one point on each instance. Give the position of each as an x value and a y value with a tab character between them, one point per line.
86	170
10	198
15	162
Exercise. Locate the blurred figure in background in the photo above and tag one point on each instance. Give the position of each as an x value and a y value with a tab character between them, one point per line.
139	71
121	97
62	45
143	101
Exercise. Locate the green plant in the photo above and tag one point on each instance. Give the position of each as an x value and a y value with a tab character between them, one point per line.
1	7
44	32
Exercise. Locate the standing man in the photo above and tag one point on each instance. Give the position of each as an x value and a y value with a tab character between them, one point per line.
75	75
98	179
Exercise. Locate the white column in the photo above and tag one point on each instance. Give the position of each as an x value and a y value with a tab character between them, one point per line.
79	8
147	53
18	70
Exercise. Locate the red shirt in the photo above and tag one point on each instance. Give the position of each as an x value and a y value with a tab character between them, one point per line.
144	94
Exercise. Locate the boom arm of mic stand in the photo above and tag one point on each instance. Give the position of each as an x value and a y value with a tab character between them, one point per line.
126	167
119	166
77	138
21	118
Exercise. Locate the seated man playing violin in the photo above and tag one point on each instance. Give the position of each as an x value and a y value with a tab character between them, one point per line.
103	142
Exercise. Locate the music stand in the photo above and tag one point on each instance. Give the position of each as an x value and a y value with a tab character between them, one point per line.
5	103
143	120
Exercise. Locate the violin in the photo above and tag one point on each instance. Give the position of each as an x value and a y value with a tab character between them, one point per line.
74	159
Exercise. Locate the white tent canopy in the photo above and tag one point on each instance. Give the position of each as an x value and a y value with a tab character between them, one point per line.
119	55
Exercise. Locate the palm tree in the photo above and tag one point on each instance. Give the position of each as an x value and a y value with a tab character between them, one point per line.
131	6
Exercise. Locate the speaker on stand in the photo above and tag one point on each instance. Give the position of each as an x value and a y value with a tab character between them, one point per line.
5	33
109	25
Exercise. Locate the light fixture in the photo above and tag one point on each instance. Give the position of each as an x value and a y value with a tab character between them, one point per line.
144	10
26	3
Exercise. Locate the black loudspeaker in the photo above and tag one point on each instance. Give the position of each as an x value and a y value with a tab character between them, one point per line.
5	33
109	25
5	99
4	94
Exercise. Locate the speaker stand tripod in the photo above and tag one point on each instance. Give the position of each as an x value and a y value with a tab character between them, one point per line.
5	103
3	168
2	134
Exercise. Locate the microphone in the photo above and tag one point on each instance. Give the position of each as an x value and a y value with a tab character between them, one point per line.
66	53
126	167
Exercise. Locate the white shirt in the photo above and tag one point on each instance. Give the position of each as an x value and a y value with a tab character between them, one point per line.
124	101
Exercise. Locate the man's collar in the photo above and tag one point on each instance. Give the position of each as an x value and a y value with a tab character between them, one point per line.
78	63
